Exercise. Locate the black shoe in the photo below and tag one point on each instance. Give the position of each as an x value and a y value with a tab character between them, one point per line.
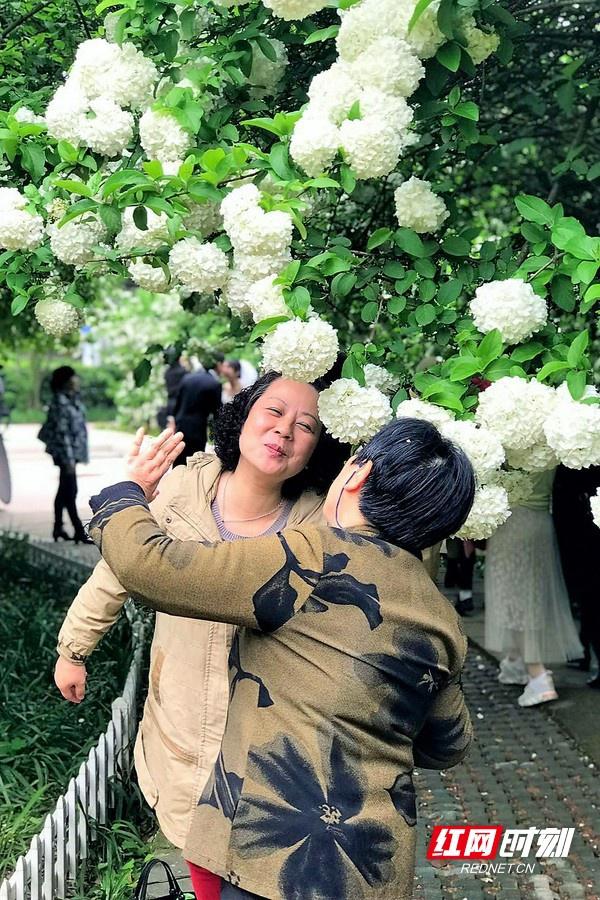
594	683
464	607
59	534
82	538
582	665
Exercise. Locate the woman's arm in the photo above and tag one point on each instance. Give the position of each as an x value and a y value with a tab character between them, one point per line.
258	583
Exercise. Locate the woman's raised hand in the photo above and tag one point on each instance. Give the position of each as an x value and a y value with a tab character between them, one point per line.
147	466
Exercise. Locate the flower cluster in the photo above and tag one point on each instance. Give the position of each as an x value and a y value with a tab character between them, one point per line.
163	138
265	300
292	9
418	207
516	410
481	445
74	242
573	430
511	306
364	23
197	266
266	73
351	413
517	484
300	350
359	104
149	277
91	108
490	510
480	44
56	317
19	229
154	236
205	218
380	378
427	412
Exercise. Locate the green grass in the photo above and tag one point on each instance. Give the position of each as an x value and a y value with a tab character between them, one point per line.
43	739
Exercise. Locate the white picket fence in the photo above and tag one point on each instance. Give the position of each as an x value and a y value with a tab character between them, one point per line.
51	864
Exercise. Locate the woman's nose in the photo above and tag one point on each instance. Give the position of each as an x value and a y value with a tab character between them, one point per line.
285	428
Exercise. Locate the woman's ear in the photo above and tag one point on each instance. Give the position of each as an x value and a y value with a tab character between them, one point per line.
359	476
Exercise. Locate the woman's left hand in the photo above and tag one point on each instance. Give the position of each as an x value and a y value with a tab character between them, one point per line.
146	467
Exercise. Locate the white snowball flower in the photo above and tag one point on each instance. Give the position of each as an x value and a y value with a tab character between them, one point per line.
162	137
265	300
595	507
66	112
333	92
390	65
391	107
28	117
203	217
511	306
19	229
239	203
295	9
372	145
266	234
380	378
481	445
254	267
109	131
95	62
197	266
418	207
56	317
155	235
516	410
537	458
300	350
148	277
314	144
517	484
266	73
480	44
235	292
490	510
573	432
73	243
351	413
362	24
121	74
421	409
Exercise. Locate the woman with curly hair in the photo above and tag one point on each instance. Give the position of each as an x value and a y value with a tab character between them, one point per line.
274	462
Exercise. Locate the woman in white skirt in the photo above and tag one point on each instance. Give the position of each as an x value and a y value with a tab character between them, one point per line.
527	612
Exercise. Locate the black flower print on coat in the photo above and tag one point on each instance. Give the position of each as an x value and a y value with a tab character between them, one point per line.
223	789
402	794
338	587
335	851
240	674
274	601
410	677
362	540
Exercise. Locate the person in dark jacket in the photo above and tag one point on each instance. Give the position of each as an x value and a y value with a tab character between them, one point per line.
579	545
65	435
198	399
174	375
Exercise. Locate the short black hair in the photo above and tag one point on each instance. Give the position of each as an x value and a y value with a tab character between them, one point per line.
323	466
235	365
61	377
421	487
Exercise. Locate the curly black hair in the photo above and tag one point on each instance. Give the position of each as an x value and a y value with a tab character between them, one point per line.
323	466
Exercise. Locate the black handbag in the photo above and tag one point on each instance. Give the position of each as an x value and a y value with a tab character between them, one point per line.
175	892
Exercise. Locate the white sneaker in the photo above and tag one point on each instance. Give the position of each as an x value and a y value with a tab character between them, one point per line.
512	671
539	690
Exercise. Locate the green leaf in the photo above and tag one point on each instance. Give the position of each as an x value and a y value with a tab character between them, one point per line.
490	348
446	17
33	160
140	218
110	218
577	349
266	326
167	42
425	314
353	369
456	246
379	237
18	304
266	47
555	365
500	368
467	110
398	397
74	187
418	12
394	269
403	284
280	162
347	179
527	351
576	384
369	311
343	284
425	267
449	291
142	371
106	4
323	34
589	298
593	172
409	242
464	367
534	209
586	271
124	178
449	56
396	305
78	209
298	300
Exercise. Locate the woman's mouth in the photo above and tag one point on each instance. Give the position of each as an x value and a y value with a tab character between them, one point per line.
275	450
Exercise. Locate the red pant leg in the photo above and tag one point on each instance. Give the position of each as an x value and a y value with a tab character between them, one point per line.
207	886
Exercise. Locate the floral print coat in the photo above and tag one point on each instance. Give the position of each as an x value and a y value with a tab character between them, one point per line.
345	674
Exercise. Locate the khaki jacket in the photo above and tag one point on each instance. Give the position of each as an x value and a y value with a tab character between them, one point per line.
186	707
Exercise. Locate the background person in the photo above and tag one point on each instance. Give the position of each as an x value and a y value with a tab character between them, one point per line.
231	371
247	489
345	672
174	374
65	435
198	401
